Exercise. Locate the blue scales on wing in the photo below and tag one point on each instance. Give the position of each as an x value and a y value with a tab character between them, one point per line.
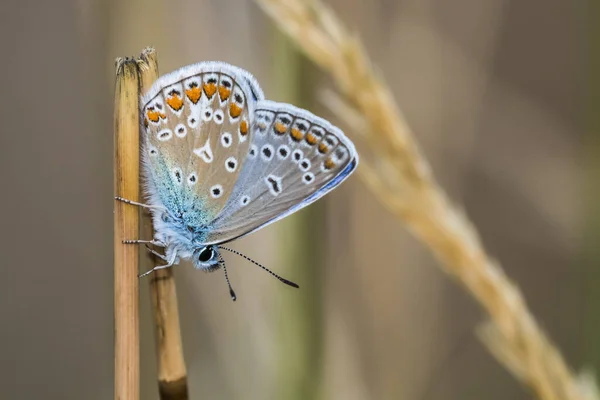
196	134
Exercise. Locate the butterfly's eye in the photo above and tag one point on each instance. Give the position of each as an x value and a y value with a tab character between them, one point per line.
206	254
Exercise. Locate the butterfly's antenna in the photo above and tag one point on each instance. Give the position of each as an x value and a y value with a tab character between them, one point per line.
290	283
231	292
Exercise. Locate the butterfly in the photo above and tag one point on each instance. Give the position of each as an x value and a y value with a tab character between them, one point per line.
219	162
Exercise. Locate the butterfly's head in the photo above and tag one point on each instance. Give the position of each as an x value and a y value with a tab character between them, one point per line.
206	258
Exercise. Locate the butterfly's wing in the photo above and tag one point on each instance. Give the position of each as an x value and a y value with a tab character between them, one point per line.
196	135
294	159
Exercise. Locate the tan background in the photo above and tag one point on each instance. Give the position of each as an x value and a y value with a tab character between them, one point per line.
495	91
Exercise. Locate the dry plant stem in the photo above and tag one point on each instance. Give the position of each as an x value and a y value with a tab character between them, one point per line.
172	375
400	176
126	224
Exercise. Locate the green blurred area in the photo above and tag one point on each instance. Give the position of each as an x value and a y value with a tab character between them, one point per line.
299	333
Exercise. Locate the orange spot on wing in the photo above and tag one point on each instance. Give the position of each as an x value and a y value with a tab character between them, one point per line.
244	128
175	102
193	94
311	139
329	164
224	93
235	110
296	134
210	89
155	116
323	148
280	128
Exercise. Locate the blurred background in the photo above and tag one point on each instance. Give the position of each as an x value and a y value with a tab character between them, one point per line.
499	94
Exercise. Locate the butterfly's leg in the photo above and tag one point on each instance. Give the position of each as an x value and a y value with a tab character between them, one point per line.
152	242
156	253
135	203
169	264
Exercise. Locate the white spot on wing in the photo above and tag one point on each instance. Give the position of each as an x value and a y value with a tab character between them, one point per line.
207	114
159	105
218	116
283	152
263	121
252	151
192	121
304	164
204	152
266	152
226	139
308	177
274	184
318	132
231	164
244	200
331	140
297	155
340	154
180	130
238	96
216	191
164	135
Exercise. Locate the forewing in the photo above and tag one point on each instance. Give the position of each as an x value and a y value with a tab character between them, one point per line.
294	159
196	124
